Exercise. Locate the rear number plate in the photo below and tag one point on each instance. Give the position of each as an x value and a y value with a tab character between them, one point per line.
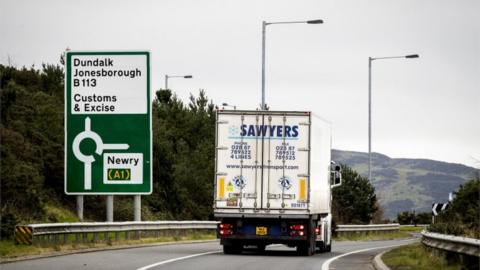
261	231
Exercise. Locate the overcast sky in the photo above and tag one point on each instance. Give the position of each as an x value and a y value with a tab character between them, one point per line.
422	108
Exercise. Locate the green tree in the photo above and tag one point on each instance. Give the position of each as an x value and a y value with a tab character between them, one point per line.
31	146
424	218
184	160
462	215
406	217
354	202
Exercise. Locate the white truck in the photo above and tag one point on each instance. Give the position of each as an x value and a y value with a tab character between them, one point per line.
273	180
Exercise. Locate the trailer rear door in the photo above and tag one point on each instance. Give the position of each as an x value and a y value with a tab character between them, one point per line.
262	160
238	164
286	161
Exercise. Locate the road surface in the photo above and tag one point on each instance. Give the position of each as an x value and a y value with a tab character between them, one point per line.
345	255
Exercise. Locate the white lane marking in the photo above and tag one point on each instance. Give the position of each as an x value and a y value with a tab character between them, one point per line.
326	264
176	259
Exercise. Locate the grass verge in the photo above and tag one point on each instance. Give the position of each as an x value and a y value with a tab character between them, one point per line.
404	232
411	229
372	236
8	249
415	257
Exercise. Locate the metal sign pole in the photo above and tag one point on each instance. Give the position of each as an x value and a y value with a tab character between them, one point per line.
80	207
110	208
137	207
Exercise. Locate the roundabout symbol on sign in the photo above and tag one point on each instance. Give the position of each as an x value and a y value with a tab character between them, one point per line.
88	160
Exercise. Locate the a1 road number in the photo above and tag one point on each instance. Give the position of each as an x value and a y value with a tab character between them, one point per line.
119	174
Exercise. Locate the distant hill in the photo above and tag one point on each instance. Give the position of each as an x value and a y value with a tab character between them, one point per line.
404	184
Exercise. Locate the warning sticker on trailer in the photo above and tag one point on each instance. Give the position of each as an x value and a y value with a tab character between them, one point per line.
232	202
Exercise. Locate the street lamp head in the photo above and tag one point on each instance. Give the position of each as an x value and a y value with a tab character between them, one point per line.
412	56
188	76
315	21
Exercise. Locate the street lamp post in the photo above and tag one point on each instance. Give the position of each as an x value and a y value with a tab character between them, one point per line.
264	30
370	60
175	76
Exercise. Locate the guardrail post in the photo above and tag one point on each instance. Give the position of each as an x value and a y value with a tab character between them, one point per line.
95	237
65	238
44	240
117	236
77	238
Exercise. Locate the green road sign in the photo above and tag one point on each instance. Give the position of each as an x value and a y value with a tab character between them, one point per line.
108	125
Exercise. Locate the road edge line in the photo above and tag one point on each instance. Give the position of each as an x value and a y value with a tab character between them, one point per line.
326	264
177	259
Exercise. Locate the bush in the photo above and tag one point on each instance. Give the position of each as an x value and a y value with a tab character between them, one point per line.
8	221
462	216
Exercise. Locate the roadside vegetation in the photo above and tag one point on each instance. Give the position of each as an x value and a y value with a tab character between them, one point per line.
354	202
416	257
462	215
371	236
404	232
460	218
413	218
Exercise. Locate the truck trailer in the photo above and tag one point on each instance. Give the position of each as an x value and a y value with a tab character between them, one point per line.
273	180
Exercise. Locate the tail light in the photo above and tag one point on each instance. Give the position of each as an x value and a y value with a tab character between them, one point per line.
225	226
225	229
297	227
297	230
317	230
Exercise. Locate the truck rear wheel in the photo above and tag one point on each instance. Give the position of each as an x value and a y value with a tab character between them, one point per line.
306	249
320	246
232	249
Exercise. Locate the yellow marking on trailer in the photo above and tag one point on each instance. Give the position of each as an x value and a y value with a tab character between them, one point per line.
302	189
221	188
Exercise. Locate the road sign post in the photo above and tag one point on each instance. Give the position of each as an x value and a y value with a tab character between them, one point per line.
108	138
